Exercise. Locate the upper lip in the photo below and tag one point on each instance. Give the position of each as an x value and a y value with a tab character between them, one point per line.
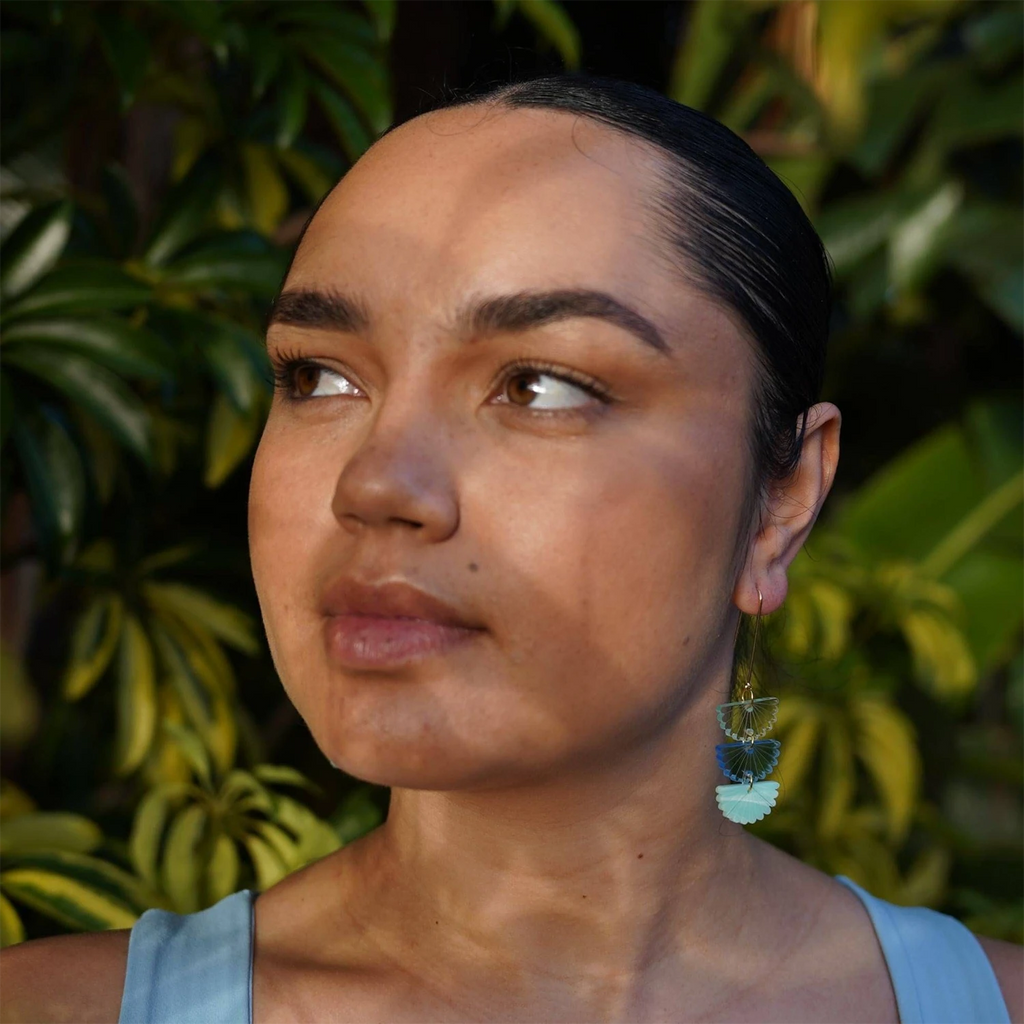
392	600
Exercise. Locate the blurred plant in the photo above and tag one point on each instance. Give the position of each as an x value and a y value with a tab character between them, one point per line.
898	650
49	867
158	160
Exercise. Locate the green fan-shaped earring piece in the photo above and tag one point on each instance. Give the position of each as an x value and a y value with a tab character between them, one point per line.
750	719
746	803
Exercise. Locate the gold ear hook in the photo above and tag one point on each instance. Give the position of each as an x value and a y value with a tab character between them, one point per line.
748	690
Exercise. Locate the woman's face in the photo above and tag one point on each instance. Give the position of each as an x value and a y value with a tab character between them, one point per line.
587	535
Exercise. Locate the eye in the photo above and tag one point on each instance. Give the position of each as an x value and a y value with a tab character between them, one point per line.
537	387
299	379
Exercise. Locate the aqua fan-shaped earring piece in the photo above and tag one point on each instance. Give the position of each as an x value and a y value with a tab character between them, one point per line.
750	757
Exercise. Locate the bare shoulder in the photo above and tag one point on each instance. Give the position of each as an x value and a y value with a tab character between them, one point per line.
1007	959
69	978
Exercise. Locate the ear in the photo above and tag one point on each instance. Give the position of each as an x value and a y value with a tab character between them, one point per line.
793	507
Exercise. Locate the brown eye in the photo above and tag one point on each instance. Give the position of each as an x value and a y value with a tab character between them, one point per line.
524	387
307	377
543	390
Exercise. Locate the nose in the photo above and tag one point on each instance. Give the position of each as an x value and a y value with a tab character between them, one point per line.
401	476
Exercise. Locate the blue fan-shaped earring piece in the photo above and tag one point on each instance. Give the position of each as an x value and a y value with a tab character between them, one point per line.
748	719
746	803
748	762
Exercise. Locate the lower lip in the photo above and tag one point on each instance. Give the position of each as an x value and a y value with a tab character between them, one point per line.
366	641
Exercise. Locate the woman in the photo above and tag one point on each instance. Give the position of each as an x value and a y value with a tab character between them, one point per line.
545	425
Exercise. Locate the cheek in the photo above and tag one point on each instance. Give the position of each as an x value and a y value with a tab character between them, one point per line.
290	520
612	570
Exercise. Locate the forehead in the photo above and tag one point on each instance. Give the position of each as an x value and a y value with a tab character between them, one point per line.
496	198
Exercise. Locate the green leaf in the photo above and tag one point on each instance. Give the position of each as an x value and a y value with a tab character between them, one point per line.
181	865
126	49
315	836
265	54
6	409
711	35
382	13
136	698
231	261
97	390
222	870
126	350
269	867
307	174
887	745
12	931
49	830
56	481
187	211
359	73
195	698
82	287
33	247
202	610
192	750
19	700
554	25
66	900
331	19
230	437
354	138
265	191
92	644
292	103
282	775
147	833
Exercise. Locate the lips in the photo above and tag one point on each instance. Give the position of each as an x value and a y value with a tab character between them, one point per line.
387	625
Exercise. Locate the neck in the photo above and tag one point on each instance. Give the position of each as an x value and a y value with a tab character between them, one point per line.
580	891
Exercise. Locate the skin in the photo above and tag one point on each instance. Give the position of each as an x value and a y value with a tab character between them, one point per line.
553	849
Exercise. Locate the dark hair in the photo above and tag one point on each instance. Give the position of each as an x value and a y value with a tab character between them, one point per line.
743	238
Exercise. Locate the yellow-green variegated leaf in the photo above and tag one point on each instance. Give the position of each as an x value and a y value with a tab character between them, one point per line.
834	608
798	632
942	660
281	775
888	748
797	726
95	874
181	867
192	749
222	870
200	680
49	830
147	832
315	836
269	867
14	801
230	436
93	644
926	881
838	778
279	841
66	900
136	698
266	192
201	610
12	931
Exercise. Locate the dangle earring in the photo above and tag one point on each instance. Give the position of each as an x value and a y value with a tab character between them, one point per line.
750	758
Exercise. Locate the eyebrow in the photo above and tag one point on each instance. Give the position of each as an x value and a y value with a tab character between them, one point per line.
520	311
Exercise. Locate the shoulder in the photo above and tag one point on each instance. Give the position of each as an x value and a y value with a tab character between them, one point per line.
1007	959
69	978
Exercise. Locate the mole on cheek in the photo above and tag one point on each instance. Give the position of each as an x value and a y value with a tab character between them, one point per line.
473	567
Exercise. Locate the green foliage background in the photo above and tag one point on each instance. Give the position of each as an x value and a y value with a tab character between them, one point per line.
159	158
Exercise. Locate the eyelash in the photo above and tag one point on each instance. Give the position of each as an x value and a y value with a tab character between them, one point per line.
286	364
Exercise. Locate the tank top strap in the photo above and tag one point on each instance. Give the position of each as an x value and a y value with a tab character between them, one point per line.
939	971
191	968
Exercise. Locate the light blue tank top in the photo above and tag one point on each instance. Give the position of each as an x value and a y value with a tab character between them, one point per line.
197	968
